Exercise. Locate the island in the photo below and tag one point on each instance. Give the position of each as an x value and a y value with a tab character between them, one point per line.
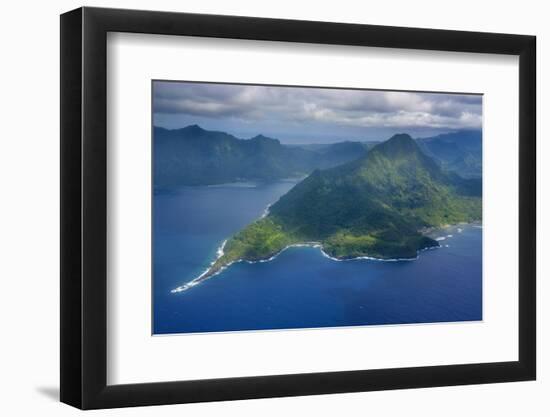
374	207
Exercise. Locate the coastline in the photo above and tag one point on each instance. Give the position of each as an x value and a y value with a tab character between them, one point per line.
206	274
430	232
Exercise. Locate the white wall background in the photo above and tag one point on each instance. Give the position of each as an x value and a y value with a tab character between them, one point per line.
29	175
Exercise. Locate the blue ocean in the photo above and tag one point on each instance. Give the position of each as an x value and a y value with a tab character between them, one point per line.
300	288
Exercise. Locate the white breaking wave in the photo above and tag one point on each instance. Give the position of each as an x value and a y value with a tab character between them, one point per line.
367	258
440	238
219	251
266	211
196	281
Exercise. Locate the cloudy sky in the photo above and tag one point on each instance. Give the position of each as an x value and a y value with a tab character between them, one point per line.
312	115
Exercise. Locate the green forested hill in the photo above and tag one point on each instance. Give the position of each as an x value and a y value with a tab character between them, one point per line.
459	151
374	207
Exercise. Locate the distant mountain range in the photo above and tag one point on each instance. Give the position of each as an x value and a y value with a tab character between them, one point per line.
375	206
195	156
457	151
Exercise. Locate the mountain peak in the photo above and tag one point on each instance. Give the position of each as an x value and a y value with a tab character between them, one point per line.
264	139
260	136
194	129
398	145
401	138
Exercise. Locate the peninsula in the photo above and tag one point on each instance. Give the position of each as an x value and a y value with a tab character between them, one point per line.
372	207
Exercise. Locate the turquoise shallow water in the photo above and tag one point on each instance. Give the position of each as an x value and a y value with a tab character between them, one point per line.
300	288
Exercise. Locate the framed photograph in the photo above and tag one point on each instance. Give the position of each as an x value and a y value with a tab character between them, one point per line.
257	208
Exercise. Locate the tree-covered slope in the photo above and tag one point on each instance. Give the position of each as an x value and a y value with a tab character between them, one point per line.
195	156
459	151
374	207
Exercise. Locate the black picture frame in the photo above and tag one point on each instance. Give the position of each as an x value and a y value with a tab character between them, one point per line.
84	207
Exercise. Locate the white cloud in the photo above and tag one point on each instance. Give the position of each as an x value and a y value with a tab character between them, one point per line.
357	108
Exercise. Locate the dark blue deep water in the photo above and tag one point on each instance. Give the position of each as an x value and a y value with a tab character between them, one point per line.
300	288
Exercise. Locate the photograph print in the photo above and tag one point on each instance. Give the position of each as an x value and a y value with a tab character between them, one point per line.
294	207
